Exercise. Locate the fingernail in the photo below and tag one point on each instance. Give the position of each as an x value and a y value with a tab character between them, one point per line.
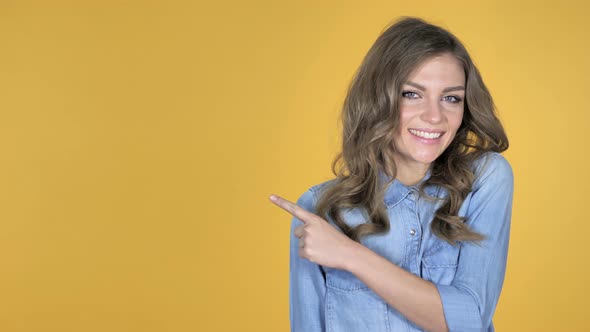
273	198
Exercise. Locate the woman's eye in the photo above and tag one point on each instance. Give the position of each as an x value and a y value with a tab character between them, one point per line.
452	99
409	94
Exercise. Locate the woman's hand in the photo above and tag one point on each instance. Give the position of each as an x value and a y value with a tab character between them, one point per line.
319	241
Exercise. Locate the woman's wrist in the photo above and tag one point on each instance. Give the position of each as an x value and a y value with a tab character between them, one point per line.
356	255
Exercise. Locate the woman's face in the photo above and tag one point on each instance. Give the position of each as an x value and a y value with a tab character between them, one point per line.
431	111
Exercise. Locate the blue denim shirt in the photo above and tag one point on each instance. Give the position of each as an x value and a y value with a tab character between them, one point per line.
468	277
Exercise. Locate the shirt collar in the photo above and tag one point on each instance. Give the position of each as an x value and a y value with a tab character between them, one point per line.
397	191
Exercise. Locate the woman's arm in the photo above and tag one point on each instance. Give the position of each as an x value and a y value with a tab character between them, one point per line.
414	297
307	286
469	302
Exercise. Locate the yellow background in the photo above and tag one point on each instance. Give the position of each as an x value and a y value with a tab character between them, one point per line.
139	141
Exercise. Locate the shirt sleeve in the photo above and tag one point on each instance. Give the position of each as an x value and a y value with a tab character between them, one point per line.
307	286
470	301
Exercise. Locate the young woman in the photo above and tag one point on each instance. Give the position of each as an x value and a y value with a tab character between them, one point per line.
412	234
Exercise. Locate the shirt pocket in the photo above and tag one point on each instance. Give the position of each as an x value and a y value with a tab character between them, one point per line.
352	306
439	263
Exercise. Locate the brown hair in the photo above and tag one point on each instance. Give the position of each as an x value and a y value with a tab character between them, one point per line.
370	116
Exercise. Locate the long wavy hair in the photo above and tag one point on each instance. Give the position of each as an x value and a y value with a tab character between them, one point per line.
370	116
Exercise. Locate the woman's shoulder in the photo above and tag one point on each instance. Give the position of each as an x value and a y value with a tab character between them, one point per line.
320	187
491	167
309	197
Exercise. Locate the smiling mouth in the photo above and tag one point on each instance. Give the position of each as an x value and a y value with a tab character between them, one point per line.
425	134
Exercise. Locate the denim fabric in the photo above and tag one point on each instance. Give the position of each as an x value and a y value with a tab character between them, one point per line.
468	277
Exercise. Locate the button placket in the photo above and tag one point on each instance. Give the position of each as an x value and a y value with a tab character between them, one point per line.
413	230
413	197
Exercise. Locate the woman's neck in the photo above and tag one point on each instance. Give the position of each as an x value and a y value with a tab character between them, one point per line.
410	175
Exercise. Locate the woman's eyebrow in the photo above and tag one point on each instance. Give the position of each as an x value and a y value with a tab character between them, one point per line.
451	88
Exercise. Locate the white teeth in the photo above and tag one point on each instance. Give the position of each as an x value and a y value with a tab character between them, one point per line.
425	134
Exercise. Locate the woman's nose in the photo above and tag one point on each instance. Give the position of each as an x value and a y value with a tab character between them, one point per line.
432	112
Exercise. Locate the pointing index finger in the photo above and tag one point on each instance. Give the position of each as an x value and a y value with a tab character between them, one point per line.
292	208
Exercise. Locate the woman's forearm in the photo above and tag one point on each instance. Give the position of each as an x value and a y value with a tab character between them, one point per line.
415	298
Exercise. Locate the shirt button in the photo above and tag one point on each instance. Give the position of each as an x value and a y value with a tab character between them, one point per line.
412	232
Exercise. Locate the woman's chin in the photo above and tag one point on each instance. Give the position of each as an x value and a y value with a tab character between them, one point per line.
426	159
415	157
